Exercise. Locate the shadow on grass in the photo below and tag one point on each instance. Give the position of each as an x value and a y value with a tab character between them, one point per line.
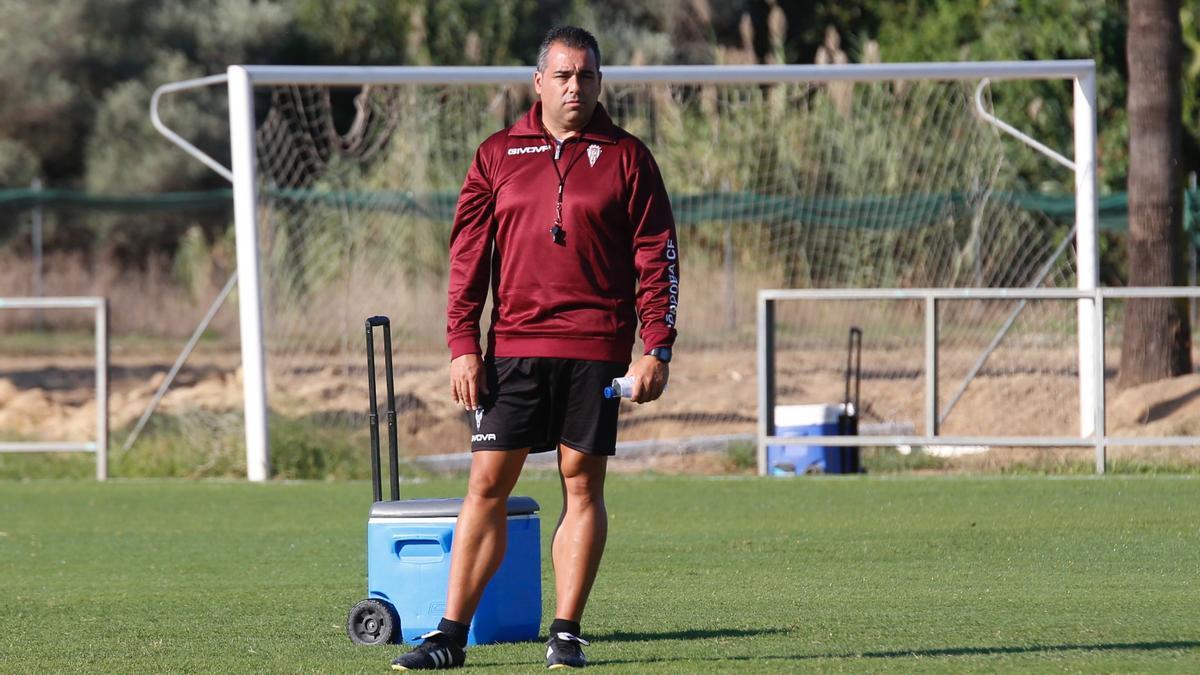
695	634
1164	409
911	653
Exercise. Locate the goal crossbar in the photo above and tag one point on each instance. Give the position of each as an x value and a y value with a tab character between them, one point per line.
859	72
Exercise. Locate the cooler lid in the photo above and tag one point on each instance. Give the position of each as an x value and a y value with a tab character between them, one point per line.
803	415
441	508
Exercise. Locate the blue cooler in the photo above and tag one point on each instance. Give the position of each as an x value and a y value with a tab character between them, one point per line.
408	567
409	544
806	420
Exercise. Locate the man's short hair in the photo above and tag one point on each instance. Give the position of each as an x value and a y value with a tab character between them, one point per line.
568	36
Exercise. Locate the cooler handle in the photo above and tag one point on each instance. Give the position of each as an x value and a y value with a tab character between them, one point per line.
441	539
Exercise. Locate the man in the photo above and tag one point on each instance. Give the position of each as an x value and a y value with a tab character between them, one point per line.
565	218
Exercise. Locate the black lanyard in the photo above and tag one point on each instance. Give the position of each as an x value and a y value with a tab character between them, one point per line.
557	233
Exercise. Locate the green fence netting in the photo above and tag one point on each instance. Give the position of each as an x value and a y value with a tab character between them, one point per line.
890	212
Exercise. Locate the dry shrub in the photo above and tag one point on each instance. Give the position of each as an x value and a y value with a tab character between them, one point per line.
143	300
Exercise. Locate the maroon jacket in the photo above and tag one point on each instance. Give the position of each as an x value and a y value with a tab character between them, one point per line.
574	298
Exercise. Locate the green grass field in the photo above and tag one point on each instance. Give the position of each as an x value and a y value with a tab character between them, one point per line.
863	574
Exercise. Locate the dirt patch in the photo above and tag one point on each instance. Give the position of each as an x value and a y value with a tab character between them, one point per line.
710	393
1167	407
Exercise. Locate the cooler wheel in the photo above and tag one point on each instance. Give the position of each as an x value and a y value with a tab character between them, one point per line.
372	622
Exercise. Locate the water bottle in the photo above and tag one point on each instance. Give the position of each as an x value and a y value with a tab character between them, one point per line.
621	387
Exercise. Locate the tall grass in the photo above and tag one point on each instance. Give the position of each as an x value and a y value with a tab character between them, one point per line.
310	449
198	445
146	299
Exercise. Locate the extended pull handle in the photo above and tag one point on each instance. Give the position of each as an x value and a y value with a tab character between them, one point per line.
853	370
373	419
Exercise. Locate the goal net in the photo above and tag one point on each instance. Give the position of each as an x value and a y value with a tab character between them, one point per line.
885	184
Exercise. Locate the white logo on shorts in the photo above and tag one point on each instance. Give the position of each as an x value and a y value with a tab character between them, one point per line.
483	437
478	418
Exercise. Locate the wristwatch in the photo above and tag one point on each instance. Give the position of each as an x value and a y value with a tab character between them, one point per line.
661	353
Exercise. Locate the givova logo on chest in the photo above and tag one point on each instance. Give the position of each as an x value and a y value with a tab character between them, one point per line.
529	149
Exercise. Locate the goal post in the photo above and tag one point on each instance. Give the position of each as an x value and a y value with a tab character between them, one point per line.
250	317
246	134
1087	248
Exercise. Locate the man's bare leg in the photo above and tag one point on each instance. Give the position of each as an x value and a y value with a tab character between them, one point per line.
481	535
581	532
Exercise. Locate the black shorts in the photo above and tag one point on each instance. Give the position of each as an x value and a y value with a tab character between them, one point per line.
539	402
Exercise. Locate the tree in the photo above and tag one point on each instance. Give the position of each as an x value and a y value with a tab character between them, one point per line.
44	107
1157	340
935	30
123	153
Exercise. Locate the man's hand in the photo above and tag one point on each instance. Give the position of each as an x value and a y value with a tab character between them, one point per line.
649	378
468	380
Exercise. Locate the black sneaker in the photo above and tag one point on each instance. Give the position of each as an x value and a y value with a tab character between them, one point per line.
563	651
436	652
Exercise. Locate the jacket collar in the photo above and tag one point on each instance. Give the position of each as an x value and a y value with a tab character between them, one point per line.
600	128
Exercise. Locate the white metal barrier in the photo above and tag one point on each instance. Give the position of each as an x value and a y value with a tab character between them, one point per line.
1088	377
100	445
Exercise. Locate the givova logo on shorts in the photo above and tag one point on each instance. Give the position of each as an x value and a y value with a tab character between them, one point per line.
478	422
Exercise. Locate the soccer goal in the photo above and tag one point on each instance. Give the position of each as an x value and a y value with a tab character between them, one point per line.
856	176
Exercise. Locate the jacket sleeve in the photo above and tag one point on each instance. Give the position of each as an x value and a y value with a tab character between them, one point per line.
470	259
655	252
